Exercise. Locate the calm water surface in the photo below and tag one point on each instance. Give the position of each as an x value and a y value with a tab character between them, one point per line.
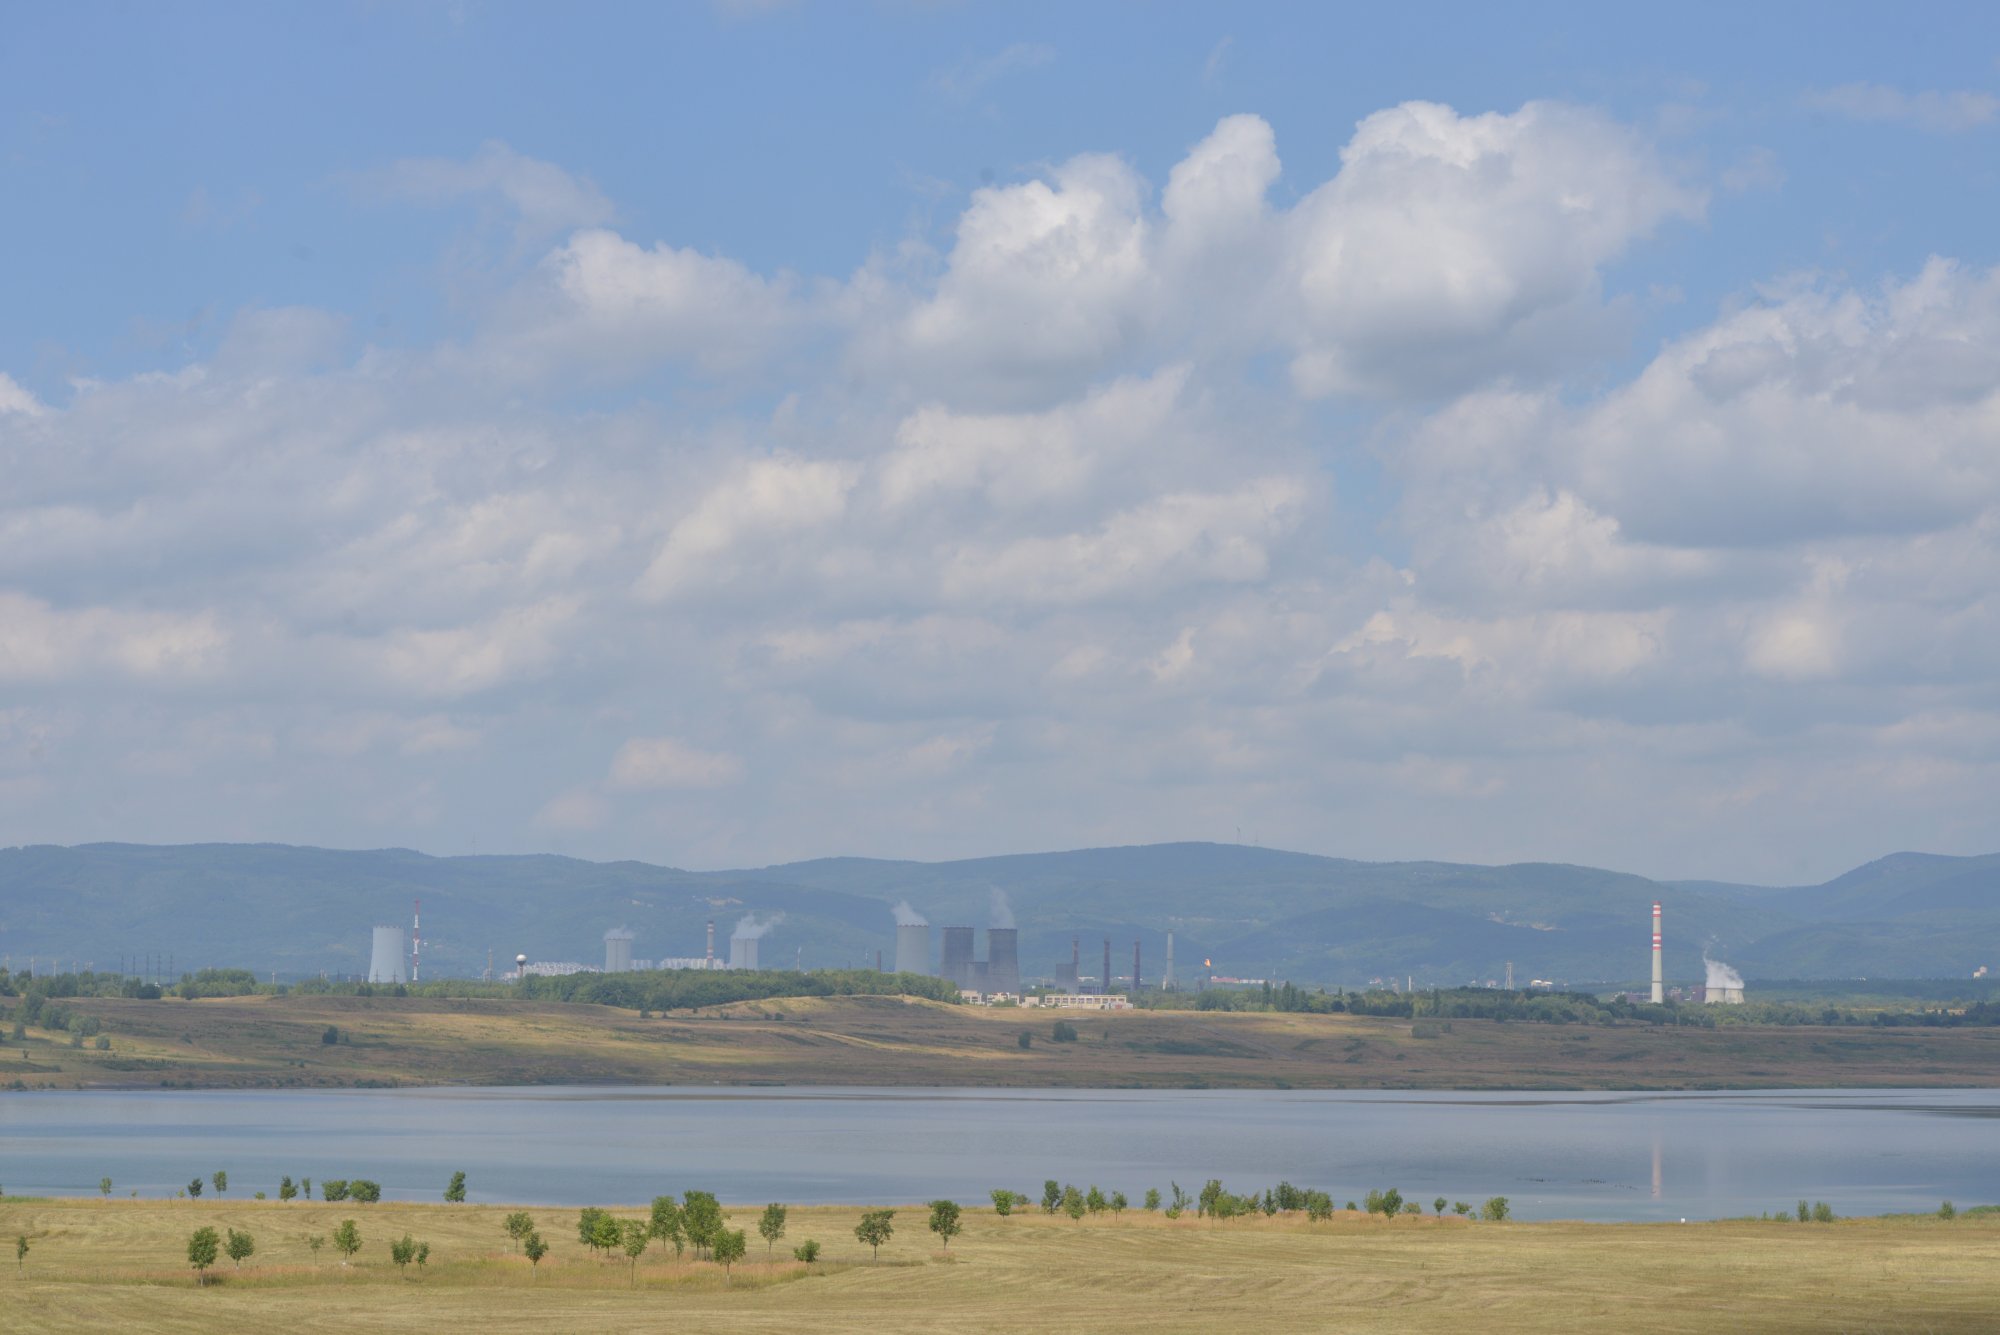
1577	1156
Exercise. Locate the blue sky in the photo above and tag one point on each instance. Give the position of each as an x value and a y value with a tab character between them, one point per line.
722	434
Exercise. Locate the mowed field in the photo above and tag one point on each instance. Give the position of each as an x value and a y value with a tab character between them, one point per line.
277	1042
120	1265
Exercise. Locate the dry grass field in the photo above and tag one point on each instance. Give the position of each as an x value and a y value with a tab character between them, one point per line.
276	1042
119	1265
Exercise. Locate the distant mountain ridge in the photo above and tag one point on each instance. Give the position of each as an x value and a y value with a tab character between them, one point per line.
1256	912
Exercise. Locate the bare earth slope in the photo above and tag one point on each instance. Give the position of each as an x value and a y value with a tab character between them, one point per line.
278	1041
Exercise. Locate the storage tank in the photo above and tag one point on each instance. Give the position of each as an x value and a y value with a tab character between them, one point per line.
913	948
957	964
1003	960
385	962
618	951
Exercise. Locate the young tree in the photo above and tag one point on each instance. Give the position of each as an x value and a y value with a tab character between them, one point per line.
1152	1198
807	1251
1439	1205
306	1187
194	1189
535	1249
771	1226
361	1189
333	1189
240	1247
347	1238
202	1246
1118	1203
1495	1209
632	1239
728	1248
221	1180
1947	1211
1319	1206
667	1224
286	1189
315	1241
1063	1032
519	1225
702	1217
1072	1202
1051	1196
423	1255
1094	1200
21	1254
1461	1207
1003	1202
402	1251
1822	1213
1391	1203
1026	1040
945	1222
875	1229
104	1187
454	1192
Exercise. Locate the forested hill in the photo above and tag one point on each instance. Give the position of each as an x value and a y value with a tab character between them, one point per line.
1255	912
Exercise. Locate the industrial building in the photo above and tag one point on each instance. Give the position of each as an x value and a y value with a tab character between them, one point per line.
617	951
385	961
1081	1001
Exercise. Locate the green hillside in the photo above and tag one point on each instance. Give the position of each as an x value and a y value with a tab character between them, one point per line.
1254	912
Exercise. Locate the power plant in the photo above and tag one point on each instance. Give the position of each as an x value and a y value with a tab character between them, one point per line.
618	951
913	946
385	961
956	966
1003	960
1659	979
742	952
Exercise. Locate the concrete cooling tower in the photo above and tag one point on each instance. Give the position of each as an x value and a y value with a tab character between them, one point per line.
743	952
956	966
385	963
618	951
913	948
1003	960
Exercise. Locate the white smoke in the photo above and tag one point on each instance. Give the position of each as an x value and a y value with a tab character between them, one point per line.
909	917
749	928
1003	912
1720	975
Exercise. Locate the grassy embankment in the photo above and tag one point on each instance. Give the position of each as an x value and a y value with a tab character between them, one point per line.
119	1265
276	1041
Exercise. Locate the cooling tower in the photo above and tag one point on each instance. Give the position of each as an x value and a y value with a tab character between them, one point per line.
957	964
385	964
1003	960
913	948
742	952
618	951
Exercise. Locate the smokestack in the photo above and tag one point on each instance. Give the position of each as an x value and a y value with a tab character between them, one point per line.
878	961
956	966
1135	967
1003	960
1105	988
1659	982
710	957
1167	982
913	947
416	937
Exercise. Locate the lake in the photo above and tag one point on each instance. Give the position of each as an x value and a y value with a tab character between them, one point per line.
1571	1156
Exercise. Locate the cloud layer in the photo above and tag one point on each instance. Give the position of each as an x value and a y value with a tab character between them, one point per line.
1046	535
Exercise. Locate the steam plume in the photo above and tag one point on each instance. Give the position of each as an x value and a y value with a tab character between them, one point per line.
749	928
909	917
1720	975
1003	912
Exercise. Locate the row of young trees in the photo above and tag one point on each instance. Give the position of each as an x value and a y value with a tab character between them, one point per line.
360	1189
1217	1202
204	1244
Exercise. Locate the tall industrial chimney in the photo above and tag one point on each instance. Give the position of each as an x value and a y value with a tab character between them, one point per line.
1167	983
1659	984
1104	988
710	958
1003	960
913	947
1135	966
956	966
